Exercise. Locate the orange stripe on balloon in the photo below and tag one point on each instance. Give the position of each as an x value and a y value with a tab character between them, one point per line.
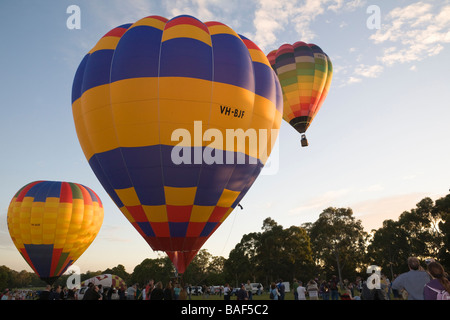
186	20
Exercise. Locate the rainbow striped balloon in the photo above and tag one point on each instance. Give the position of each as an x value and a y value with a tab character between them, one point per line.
305	74
52	223
145	82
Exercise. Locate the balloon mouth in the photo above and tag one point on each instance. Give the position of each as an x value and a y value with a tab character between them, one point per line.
49	280
181	259
300	124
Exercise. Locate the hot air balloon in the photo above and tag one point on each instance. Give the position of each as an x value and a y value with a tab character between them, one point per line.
106	280
52	223
305	74
141	90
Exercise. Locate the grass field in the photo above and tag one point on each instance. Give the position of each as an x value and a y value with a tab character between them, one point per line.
264	296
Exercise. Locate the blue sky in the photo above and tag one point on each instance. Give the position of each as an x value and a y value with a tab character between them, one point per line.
378	145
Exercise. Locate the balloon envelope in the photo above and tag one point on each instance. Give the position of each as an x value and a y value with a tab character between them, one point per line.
152	103
52	223
305	74
106	280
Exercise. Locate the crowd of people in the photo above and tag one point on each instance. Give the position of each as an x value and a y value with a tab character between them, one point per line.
418	283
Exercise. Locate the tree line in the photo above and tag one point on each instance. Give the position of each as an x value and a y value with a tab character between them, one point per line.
335	244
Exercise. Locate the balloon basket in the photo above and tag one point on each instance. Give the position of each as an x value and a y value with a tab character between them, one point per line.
304	141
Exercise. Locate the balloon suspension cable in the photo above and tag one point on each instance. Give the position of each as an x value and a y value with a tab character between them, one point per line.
229	234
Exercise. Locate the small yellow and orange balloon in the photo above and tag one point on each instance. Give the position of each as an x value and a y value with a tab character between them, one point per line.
52	223
305	74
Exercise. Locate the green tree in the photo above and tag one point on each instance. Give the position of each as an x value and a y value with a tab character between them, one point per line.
422	229
216	270
4	277
269	255
297	252
282	252
119	271
388	247
205	269
240	263
442	210
159	269
338	241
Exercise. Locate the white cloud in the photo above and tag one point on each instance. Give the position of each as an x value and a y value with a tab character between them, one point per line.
320	202
373	212
416	30
353	80
347	5
408	34
272	17
119	12
368	71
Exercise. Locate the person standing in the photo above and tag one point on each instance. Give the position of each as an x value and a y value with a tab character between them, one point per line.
248	287
93	294
176	291
313	290
294	287
274	294
148	289
226	292
301	291
439	283
157	292
324	290
110	293
45	294
131	292
281	289
334	290
168	291
242	293
412	281
121	293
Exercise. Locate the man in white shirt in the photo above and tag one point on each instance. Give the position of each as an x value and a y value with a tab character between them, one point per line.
226	292
131	292
301	291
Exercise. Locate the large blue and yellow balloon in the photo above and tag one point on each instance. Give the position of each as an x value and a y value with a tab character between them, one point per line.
144	81
52	223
